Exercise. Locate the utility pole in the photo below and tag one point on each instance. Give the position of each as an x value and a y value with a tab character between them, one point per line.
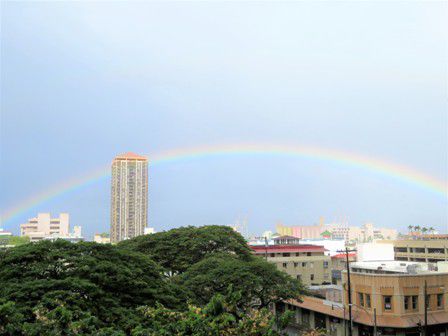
345	324
349	289
425	332
349	293
266	248
374	322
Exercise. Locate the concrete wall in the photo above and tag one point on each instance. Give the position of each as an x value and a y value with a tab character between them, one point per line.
374	252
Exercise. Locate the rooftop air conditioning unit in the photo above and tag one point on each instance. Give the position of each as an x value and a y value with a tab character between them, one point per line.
412	269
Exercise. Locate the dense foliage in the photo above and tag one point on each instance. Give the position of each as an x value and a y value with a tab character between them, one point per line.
178	249
187	281
13	240
259	282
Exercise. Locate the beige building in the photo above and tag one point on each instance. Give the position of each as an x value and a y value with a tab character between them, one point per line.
101	238
43	226
129	197
307	263
389	295
366	233
423	250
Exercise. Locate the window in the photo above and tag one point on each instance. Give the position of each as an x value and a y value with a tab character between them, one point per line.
304	264
361	299
272	255
435	250
286	254
297	254
414	302
439	300
296	264
407	300
285	265
305	316
311	264
325	264
299	277
368	303
319	320
387	300
308	254
312	277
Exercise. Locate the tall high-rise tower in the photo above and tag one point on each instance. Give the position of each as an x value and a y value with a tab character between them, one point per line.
129	197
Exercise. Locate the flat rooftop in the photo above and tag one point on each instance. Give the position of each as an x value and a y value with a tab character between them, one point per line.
398	267
287	248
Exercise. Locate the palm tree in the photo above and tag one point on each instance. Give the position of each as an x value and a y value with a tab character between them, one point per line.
424	230
410	227
417	228
431	230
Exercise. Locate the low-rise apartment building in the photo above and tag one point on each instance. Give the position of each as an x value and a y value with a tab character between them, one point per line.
389	295
45	227
308	263
339	264
421	250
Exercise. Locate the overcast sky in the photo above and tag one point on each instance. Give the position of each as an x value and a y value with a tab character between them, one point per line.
82	82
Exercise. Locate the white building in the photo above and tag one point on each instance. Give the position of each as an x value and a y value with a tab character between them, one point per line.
149	230
374	251
45	227
4	233
334	246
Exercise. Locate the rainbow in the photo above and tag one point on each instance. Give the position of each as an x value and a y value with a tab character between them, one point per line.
388	169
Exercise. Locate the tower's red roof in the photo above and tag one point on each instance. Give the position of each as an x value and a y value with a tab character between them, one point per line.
342	256
130	156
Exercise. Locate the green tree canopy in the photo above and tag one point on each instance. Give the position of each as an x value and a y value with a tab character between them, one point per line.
218	317
81	281
177	249
62	288
258	281
13	240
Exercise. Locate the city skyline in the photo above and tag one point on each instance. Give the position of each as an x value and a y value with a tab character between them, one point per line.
393	174
156	78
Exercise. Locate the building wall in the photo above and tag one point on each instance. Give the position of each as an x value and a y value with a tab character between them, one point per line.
308	319
44	226
374	252
312	269
339	262
377	286
419	250
129	197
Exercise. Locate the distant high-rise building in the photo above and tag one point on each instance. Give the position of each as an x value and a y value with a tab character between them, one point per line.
129	197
